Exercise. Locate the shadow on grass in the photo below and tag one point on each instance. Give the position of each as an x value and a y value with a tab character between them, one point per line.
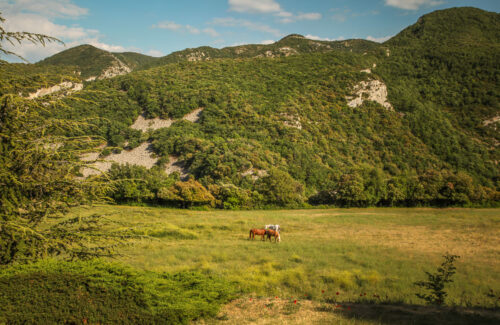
416	314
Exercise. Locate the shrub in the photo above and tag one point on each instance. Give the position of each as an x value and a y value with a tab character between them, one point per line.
95	291
437	281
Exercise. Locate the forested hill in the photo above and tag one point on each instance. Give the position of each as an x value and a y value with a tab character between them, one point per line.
412	121
91	61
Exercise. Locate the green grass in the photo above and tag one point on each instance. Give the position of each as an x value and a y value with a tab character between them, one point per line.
350	251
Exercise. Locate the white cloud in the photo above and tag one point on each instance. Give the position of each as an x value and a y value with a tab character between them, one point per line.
37	16
339	17
218	42
170	25
106	47
284	14
290	18
36	52
412	4
309	16
210	31
267	42
192	30
317	38
167	25
46	8
155	53
254	6
378	39
233	22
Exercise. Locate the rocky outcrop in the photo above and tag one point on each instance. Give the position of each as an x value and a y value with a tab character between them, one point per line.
156	123
194	116
254	174
117	68
197	56
174	165
491	120
292	121
140	156
67	86
374	90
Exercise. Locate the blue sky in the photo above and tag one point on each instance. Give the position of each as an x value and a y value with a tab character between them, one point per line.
160	27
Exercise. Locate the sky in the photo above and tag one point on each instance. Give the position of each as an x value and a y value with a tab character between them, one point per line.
160	27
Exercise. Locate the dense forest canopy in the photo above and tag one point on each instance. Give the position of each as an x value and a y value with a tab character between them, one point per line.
276	129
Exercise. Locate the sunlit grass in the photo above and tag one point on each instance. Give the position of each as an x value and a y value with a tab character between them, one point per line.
351	251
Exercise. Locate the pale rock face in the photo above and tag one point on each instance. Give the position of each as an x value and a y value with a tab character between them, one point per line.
194	116
255	174
291	121
156	123
374	90
196	56
116	69
491	120
140	156
174	165
287	51
66	86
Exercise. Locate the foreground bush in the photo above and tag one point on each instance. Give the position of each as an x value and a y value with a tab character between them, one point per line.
99	292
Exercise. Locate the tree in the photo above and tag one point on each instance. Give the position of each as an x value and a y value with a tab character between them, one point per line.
186	194
37	173
281	189
18	37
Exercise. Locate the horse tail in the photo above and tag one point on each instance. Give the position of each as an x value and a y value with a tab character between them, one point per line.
250	236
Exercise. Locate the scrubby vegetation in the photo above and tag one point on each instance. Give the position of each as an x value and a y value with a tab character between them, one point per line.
269	122
99	292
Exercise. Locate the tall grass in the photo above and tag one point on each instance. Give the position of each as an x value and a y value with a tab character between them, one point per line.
380	252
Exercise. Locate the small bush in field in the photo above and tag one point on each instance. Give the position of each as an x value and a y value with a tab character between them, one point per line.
436	281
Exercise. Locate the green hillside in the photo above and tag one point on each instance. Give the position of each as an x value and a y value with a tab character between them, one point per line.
293	44
443	72
20	78
91	61
276	128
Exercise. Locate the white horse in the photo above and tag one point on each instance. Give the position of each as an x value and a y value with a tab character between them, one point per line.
274	227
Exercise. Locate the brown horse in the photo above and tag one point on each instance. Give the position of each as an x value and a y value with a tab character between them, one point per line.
273	233
253	232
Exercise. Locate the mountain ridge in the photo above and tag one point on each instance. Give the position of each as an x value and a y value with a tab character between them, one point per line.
412	121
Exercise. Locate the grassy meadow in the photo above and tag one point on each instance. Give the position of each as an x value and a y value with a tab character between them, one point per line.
379	252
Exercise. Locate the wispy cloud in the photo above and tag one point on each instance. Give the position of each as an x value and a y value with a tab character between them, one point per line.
170	25
46	8
254	6
318	38
233	22
270	7
412	4
378	39
155	53
267	42
167	25
290	18
37	16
